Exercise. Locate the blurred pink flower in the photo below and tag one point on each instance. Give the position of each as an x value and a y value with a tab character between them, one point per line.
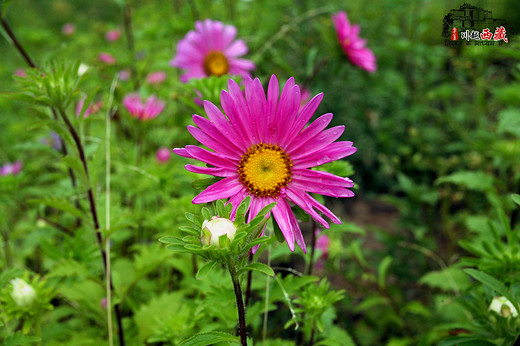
107	58
124	75
152	108
91	109
156	77
20	73
352	44
68	29
11	168
163	154
305	97
104	303
211	50
113	35
322	244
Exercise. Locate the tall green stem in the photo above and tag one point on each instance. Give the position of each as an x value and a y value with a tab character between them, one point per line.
240	303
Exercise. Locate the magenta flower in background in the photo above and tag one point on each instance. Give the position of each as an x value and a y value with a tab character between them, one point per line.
91	109
261	148
104	303
163	155
149	110
156	77
322	244
11	168
352	44
107	58
113	35
20	73
211	50
68	29
124	75
305	97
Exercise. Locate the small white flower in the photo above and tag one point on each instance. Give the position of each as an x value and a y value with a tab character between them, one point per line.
82	69
218	226
502	306
23	294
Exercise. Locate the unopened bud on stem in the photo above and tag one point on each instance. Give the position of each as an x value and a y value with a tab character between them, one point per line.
216	227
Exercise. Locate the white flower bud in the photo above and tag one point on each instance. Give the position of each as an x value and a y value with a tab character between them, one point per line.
23	294
502	306
82	69
216	227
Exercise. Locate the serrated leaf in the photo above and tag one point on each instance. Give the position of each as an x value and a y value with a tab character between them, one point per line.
492	283
210	338
259	267
205	270
60	204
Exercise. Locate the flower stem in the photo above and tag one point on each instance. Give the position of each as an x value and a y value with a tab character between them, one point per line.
240	303
313	247
15	41
93	211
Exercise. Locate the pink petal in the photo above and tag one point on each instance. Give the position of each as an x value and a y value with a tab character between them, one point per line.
221	189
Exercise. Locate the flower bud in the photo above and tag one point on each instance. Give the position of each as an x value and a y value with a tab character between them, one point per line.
502	306
23	294
216	227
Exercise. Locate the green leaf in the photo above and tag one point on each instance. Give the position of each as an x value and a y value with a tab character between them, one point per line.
446	279
171	240
60	204
77	167
516	198
492	283
20	339
383	270
202	184
205	269
257	241
176	248
209	338
509	121
205	213
478	181
259	267
278	232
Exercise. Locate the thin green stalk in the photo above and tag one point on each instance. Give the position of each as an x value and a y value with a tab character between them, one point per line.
240	303
107	212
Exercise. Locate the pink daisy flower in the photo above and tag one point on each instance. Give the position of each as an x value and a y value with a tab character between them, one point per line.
68	29
11	168
149	110
352	44
107	58
163	155
211	50
20	73
113	35
156	77
261	148
91	109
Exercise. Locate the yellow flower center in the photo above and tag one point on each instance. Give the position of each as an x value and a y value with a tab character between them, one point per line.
216	64
264	169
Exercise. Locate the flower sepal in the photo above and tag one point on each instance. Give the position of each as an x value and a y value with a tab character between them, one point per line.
215	236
